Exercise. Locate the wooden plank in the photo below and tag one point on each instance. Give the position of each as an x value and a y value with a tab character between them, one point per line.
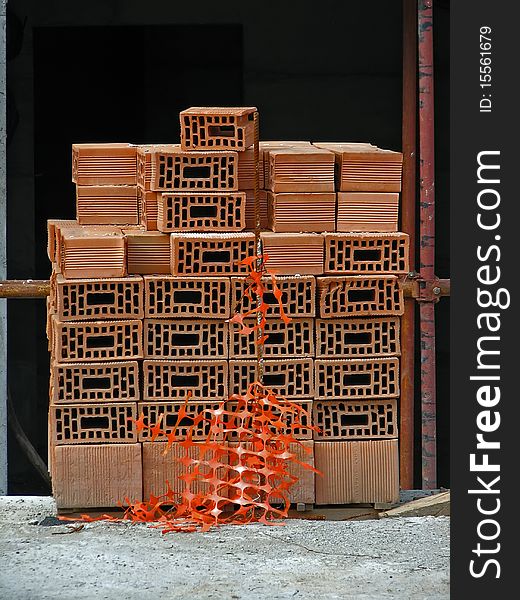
436	505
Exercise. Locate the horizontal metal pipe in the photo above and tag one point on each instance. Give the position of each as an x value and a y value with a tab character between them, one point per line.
40	288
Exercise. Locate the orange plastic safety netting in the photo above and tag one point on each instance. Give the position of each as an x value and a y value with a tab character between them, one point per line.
243	470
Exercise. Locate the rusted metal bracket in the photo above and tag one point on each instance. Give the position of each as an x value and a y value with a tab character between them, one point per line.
25	288
414	286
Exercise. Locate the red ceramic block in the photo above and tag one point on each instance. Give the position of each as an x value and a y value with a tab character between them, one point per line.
173	379
147	208
297	424
295	338
152	412
148	252
107	204
178	170
360	295
357	338
161	465
292	378
96	475
250	216
207	254
366	168
265	146
187	297
92	252
185	339
304	169
363	253
217	128
104	164
222	211
93	423
353	419
93	299
368	211
86	341
247	169
95	382
294	253
357	472
144	162
298	295
53	228
302	212
353	379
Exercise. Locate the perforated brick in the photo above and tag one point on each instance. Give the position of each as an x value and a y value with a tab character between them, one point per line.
292	378
87	341
95	382
246	169
161	465
148	252
357	338
250	210
366	168
361	295
357	471
223	211
144	162
91	299
303	169
172	380
176	169
211	253
342	420
93	423
181	297
217	128
107	204
53	228
296	424
92	252
179	340
302	212
294	253
104	164
364	253
298	295
295	338
96	475
365	211
152	411
147	208
357	378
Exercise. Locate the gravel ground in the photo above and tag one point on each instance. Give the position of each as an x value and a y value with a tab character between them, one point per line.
405	558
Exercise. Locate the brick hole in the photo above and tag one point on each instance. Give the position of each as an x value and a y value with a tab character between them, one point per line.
187	297
361	295
357	379
184	339
184	381
365	255
221	130
358	338
198	172
349	420
100	341
275	338
216	256
96	383
274	380
94	422
97	298
203	212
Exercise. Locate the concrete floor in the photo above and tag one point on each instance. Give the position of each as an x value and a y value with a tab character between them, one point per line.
404	558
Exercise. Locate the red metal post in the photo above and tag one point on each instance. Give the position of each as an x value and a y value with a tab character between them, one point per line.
427	242
408	212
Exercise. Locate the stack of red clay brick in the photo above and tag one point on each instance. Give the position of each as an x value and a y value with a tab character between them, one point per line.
146	277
